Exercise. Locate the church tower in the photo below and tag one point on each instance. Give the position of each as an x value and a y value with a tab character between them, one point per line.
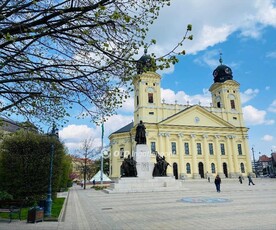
226	95
147	95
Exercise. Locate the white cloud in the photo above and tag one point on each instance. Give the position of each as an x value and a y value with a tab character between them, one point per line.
127	106
267	138
271	54
272	107
213	22
267	88
210	58
248	94
253	116
182	98
79	132
74	135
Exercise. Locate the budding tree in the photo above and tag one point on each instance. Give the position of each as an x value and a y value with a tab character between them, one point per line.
55	54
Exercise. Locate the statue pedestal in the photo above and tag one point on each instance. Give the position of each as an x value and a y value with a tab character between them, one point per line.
144	182
143	164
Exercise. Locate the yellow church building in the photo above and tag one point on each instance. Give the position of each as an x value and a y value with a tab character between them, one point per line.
197	141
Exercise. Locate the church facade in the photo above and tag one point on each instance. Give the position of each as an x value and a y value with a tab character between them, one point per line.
197	141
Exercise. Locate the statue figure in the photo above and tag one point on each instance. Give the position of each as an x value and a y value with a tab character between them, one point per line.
160	167
140	136
128	167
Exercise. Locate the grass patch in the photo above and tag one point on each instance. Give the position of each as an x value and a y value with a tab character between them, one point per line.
56	208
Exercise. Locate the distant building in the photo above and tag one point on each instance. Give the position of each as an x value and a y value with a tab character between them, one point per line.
263	165
273	163
10	126
198	141
78	166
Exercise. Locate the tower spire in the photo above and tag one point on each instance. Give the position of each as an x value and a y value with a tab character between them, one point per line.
220	58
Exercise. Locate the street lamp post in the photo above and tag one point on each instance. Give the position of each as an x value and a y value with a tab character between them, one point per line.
254	161
102	151
48	205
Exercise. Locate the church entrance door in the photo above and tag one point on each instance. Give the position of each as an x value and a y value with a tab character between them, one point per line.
225	170
175	170
201	169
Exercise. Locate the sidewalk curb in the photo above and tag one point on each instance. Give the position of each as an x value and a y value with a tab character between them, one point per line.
63	210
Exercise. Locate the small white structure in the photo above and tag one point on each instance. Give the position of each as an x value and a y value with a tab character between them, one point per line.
97	177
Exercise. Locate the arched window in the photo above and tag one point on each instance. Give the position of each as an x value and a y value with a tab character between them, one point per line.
188	168
242	168
213	168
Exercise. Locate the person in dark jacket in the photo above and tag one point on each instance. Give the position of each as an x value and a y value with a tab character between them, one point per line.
217	183
250	181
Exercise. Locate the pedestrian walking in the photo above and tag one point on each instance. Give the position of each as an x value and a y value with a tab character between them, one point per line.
217	183
240	179
250	181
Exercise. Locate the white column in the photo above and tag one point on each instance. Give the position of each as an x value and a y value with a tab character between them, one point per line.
206	154
230	157
168	154
181	169
194	157
248	169
218	154
235	156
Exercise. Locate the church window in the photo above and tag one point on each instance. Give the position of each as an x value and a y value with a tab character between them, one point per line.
213	168
137	100
222	149
122	153
234	118
150	97
151	113
242	168
173	148
218	104
232	102
146	83
198	147
153	84
152	147
186	147
211	149
188	168
239	149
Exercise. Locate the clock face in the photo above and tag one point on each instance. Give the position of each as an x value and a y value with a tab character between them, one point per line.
215	73
150	90
227	70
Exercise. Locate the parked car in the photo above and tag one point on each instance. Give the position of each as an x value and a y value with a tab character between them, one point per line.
272	175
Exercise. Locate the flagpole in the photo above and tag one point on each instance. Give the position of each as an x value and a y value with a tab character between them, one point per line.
102	151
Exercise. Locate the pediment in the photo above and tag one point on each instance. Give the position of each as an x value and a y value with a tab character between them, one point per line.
196	116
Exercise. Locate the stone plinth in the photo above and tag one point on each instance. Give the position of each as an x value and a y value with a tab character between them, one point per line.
143	164
144	182
135	184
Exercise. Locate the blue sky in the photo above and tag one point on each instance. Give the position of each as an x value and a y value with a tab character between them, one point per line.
243	31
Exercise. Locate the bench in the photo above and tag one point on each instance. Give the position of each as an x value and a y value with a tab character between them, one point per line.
11	207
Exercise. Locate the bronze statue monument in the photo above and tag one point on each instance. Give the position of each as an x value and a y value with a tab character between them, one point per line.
160	167
128	167
140	136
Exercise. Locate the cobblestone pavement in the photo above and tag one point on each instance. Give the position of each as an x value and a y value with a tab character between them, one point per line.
199	206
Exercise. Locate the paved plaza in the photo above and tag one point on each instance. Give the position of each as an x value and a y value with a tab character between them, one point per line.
198	206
